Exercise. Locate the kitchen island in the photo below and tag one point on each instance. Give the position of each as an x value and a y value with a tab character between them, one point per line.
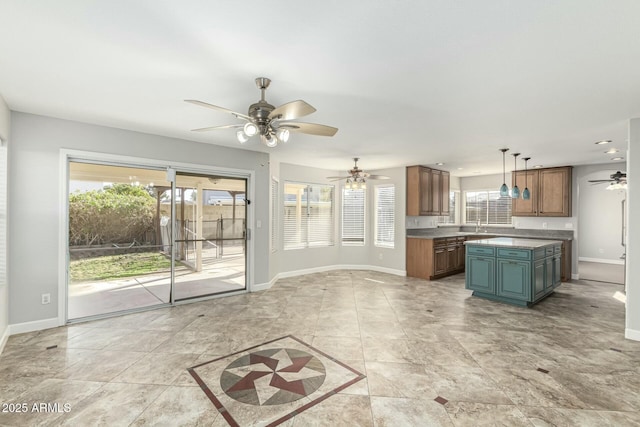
513	270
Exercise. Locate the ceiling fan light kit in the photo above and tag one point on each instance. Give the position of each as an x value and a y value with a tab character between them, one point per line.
617	181
357	178
273	124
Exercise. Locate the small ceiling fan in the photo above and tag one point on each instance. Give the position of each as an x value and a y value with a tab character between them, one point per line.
357	177
273	124
616	181
617	177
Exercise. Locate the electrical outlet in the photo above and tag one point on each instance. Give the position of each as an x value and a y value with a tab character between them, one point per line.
46	298
380	256
544	225
258	224
568	225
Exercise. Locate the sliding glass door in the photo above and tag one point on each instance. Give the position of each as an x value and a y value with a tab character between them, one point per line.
119	255
122	253
210	235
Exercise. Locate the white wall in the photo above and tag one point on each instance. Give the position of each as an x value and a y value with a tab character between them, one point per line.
35	195
633	233
308	259
599	210
4	287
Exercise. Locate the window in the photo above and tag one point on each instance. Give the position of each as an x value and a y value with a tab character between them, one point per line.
454	202
385	216
487	207
353	216
274	214
308	215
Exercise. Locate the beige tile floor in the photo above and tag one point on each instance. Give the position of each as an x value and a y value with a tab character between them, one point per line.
564	362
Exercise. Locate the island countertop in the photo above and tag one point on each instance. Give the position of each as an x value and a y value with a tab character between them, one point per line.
512	242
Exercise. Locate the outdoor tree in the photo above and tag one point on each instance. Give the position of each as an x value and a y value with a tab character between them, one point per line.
119	213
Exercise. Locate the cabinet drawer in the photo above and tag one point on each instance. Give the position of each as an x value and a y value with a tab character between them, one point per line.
480	250
557	249
514	253
548	251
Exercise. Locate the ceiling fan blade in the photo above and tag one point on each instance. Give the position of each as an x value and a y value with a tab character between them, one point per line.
215	107
336	178
379	177
309	128
292	110
602	180
216	128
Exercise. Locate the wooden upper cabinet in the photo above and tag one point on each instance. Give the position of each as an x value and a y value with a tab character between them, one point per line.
519	206
427	191
550	192
445	189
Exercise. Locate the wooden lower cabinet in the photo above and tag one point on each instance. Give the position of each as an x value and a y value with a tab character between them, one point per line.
435	258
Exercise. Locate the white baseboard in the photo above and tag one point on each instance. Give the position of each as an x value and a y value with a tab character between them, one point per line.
632	334
602	260
326	268
36	325
3	340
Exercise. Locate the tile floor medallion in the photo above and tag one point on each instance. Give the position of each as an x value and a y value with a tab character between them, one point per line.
272	382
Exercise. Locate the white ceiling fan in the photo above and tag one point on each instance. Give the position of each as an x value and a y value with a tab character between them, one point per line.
356	177
273	124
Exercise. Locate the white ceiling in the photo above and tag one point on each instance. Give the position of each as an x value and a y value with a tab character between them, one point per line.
406	82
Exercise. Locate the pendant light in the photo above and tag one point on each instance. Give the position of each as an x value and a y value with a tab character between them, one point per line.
526	195
515	191
504	190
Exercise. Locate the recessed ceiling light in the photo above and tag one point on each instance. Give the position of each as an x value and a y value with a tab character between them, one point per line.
611	151
460	169
537	166
440	164
617	158
604	141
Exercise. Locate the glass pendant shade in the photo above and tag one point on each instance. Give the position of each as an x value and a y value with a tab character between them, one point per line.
515	191
250	129
282	135
504	191
242	137
526	194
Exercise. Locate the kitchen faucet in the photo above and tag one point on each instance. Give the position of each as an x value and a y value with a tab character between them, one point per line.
478	225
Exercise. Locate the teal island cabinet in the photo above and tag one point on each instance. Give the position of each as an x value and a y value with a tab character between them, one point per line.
512	270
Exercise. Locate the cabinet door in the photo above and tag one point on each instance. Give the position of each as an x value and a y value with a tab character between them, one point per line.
426	199
460	252
555	192
436	193
548	273
452	257
557	270
440	261
538	278
413	190
514	279
521	207
444	193
480	274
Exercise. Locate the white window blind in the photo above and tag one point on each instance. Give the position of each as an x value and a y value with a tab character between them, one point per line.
275	205
353	216
3	214
385	196
487	207
308	215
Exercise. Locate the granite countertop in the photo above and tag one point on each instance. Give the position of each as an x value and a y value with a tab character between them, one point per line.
515	243
525	234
